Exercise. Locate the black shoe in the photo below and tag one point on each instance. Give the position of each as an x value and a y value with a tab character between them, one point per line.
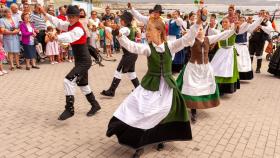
65	115
93	110
138	153
111	91
258	71
193	118
94	104
160	147
69	108
259	65
108	93
35	67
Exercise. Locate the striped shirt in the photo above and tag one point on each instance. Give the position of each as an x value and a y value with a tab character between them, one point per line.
38	21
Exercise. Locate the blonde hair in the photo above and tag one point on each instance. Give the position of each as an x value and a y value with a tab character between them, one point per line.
158	25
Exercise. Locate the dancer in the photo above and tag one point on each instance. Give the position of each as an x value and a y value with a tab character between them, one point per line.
154	13
225	61
243	58
197	81
76	36
154	112
274	64
128	60
258	39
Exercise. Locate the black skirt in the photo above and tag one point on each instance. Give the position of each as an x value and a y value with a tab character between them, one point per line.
229	87
138	138
246	75
274	64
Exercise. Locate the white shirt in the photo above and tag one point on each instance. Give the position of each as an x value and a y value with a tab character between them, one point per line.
66	37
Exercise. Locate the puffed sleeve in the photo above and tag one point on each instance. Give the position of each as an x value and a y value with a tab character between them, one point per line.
71	36
60	24
185	41
132	47
139	16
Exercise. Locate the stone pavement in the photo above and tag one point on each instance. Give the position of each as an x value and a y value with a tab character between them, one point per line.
246	124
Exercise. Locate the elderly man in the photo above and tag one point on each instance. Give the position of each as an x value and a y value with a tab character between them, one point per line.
39	24
16	13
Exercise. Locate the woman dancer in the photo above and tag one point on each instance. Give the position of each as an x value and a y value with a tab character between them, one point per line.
154	112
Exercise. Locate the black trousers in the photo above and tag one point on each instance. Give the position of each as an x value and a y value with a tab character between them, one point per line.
82	65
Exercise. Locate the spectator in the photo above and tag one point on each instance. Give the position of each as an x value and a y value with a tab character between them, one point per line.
16	13
21	7
51	44
39	24
107	15
108	38
62	13
102	36
84	22
117	18
26	8
2	57
94	37
10	28
94	19
28	34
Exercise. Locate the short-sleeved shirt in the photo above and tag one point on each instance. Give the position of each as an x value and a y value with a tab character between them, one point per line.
11	42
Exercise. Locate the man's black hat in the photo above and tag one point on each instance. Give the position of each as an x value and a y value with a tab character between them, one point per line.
158	8
73	11
127	17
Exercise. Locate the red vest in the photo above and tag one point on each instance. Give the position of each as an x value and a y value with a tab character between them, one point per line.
83	39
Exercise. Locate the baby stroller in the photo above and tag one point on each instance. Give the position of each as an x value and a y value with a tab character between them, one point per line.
273	44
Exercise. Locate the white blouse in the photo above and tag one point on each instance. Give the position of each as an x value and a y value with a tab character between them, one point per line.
174	46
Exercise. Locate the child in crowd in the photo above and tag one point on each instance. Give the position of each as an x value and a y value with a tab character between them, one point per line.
94	37
143	35
70	55
108	38
102	36
51	44
2	57
138	38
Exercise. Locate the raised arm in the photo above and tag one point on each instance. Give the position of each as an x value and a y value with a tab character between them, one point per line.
60	24
139	16
246	27
185	41
71	36
267	29
132	47
221	36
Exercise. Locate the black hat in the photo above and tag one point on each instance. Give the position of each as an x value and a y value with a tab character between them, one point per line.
73	10
127	17
158	8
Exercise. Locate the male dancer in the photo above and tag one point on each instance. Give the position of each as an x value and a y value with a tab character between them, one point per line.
257	41
76	36
127	63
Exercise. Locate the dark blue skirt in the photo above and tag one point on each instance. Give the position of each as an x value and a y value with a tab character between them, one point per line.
29	51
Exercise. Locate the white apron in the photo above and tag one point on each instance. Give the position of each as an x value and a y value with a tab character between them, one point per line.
199	80
223	62
145	109
243	58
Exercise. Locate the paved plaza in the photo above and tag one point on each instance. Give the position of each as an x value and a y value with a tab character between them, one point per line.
246	124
